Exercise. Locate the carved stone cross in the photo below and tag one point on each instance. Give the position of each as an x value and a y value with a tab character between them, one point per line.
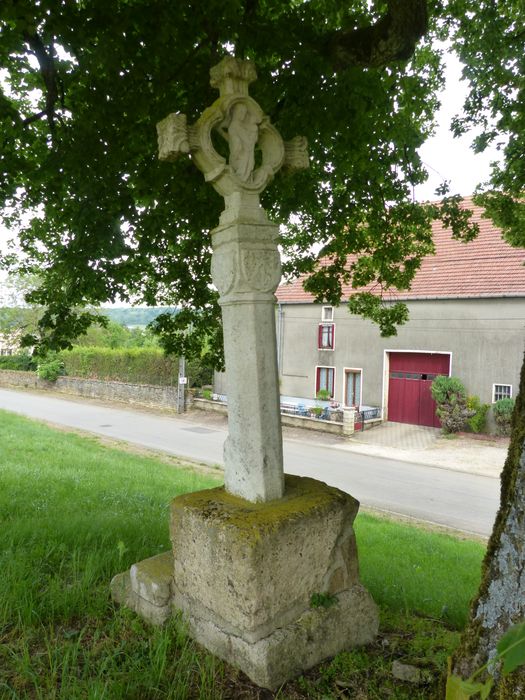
246	266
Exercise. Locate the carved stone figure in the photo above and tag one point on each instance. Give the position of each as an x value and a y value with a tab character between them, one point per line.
242	136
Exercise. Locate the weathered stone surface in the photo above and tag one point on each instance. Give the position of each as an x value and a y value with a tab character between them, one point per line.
151	579
137	394
245	573
146	588
254	567
248	559
293	648
246	266
246	270
349	421
120	588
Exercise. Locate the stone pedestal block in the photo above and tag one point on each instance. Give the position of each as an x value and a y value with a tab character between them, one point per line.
245	576
349	415
273	588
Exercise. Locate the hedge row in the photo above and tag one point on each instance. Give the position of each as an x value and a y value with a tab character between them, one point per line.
21	362
133	365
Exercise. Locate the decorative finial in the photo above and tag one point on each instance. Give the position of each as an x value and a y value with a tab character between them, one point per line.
232	76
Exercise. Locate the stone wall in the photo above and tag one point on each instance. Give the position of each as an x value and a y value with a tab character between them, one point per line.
135	394
25	380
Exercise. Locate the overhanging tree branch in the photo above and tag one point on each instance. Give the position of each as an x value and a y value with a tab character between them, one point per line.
49	75
392	38
34	117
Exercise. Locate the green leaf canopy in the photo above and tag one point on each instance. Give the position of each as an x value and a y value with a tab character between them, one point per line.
83	83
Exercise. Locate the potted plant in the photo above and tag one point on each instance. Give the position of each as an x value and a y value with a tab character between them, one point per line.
316	411
323	395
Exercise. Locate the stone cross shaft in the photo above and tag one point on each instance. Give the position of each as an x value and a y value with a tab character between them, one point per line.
246	266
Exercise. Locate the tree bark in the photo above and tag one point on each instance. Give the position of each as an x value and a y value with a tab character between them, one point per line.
392	38
500	602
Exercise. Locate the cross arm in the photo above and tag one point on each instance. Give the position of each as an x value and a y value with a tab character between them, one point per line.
173	137
295	154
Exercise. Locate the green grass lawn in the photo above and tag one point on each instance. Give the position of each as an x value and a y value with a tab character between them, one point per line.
73	513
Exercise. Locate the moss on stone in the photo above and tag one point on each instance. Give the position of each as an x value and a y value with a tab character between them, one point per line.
159	566
304	498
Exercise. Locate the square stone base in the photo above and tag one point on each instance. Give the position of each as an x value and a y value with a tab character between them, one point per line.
272	588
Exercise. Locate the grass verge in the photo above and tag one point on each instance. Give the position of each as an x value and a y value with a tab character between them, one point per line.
73	513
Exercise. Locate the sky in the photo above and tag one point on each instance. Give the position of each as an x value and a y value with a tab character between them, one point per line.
449	158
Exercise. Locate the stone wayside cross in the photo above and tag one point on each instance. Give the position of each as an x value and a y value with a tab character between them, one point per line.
243	571
246	266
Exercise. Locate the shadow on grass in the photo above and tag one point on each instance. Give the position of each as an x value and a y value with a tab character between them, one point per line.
74	513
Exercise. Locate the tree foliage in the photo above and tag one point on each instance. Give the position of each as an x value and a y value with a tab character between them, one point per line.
115	335
50	368
16	317
84	83
489	38
136	316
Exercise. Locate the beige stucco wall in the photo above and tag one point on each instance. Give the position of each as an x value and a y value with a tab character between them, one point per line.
484	336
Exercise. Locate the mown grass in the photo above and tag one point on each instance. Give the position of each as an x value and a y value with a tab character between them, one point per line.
413	570
73	513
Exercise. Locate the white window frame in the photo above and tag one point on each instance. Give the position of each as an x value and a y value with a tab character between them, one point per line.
318	367
352	369
320	333
494	399
327	314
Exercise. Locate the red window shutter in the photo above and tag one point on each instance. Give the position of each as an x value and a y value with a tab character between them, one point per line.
332	336
320	336
317	380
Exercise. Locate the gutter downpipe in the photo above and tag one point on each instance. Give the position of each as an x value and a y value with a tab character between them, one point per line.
280	324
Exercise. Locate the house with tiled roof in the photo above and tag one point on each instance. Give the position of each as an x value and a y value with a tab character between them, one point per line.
467	319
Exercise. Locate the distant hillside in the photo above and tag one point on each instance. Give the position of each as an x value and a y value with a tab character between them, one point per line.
136	316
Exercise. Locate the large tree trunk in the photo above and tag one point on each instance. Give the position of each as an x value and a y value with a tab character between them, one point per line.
500	601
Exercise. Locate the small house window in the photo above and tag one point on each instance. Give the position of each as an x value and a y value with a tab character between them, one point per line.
326	336
501	391
328	313
325	379
353	387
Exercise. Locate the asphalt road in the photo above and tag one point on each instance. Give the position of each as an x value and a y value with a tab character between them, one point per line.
465	502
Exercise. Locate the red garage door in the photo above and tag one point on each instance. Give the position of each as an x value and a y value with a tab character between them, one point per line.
409	397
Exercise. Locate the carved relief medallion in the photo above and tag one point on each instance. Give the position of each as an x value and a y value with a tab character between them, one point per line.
223	270
261	269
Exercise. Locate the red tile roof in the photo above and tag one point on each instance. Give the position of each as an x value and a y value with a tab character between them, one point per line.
485	267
